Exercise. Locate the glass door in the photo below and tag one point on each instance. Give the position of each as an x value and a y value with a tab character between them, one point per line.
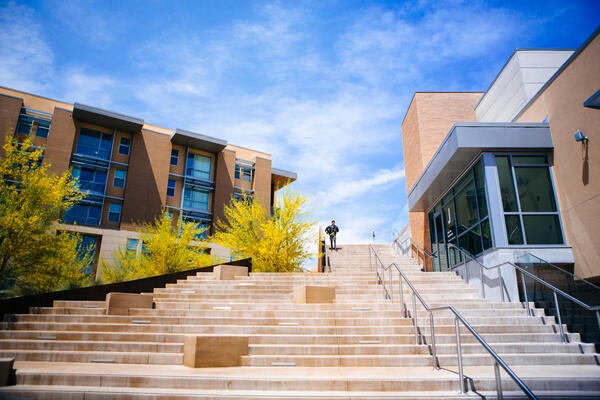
438	241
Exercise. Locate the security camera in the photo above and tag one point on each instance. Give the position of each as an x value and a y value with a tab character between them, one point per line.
580	137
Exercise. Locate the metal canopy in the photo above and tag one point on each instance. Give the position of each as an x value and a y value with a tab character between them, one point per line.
198	141
462	145
281	178
593	101
107	119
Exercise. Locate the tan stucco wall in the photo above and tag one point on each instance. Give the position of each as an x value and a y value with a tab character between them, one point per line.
427	122
577	174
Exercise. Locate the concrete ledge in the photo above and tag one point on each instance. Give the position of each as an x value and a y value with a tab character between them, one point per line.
120	303
229	272
214	351
7	371
314	294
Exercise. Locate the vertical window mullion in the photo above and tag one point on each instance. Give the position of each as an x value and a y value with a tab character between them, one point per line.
517	197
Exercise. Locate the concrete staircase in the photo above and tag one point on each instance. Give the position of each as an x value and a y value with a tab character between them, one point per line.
359	347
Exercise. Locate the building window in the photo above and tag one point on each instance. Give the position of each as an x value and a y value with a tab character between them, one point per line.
195	199
124	146
114	212
132	246
33	124
171	187
94	143
88	247
244	172
174	157
528	200
461	219
119	178
90	180
198	166
84	214
204	226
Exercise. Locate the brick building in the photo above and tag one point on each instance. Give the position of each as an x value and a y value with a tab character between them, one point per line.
132	170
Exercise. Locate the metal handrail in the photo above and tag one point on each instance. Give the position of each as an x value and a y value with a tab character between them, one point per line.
575	277
419	249
457	318
554	289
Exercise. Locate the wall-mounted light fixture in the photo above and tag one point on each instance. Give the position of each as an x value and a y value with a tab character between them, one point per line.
580	136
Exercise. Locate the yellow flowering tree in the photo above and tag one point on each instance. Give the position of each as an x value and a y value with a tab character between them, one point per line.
275	243
166	249
35	256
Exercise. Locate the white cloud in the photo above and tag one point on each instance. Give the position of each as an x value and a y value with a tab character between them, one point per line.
84	20
27	60
401	46
347	190
98	91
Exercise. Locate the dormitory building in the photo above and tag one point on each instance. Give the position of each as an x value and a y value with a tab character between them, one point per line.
132	171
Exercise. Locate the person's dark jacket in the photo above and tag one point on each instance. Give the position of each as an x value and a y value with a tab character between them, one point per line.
332	230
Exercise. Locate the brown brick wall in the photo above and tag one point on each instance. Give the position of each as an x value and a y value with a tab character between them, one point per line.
10	107
147	177
223	183
576	172
262	182
428	120
61	141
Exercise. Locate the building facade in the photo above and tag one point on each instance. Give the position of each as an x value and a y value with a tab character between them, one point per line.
131	170
510	172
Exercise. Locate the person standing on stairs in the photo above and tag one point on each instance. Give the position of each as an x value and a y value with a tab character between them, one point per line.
332	231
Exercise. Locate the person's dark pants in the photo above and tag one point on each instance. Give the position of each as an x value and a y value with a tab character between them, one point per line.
332	241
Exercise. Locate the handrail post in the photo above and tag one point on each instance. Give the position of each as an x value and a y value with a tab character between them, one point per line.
401	294
459	356
499	394
525	294
414	307
436	364
501	283
482	284
391	285
560	326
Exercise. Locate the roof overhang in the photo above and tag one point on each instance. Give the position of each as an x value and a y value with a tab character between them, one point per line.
463	145
107	119
198	141
593	101
281	178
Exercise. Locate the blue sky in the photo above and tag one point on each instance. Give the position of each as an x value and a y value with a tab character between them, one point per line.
322	85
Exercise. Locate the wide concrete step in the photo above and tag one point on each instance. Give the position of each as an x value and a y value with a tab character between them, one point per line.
102	357
211	329
336	349
50	335
381	381
511	359
78	345
216	320
366	360
358	313
518	348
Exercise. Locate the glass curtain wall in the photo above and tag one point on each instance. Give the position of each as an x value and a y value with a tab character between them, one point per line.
529	204
461	218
